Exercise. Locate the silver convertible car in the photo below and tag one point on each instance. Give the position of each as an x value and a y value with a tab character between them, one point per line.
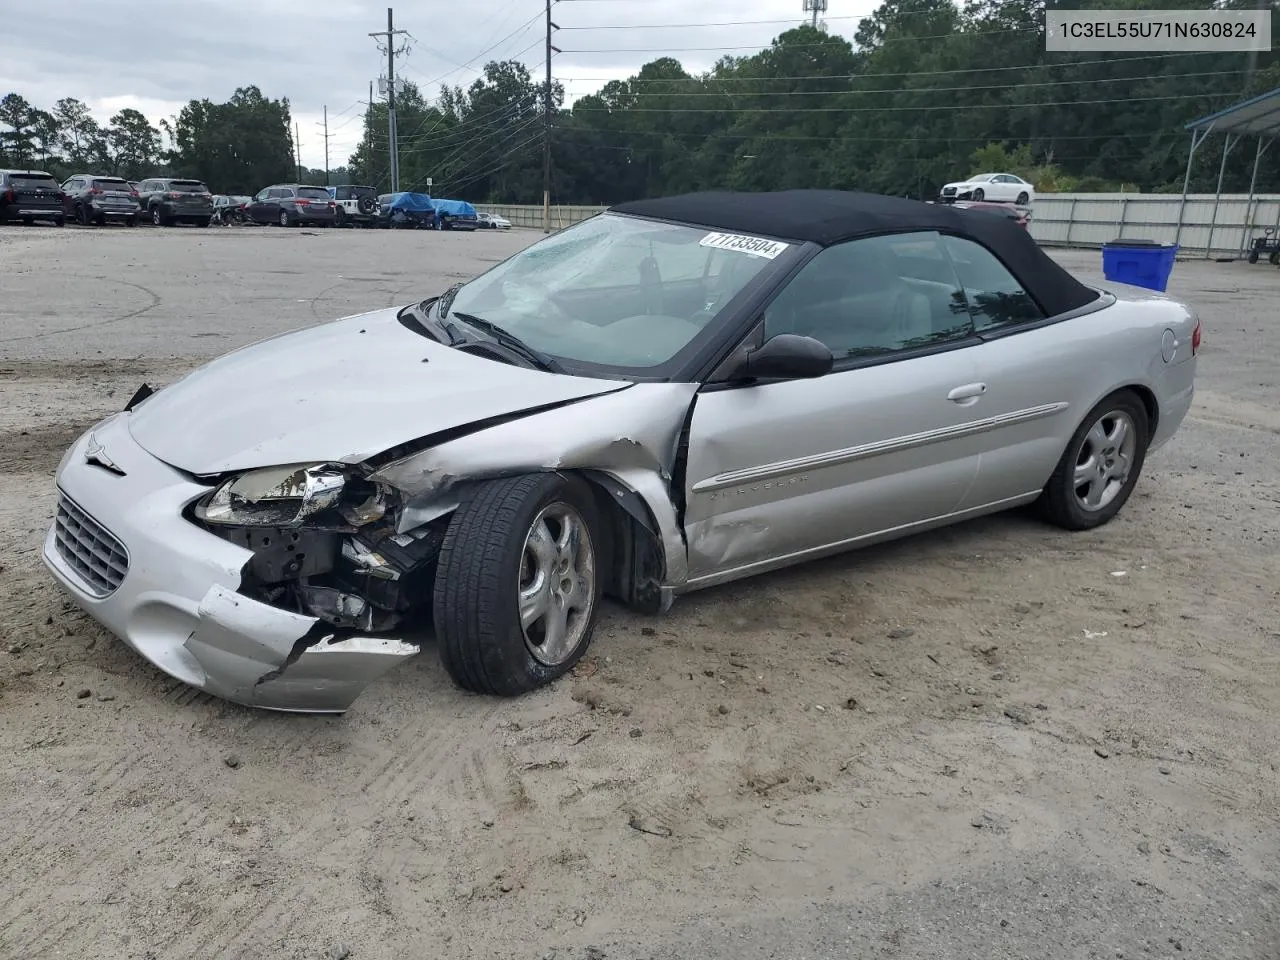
673	394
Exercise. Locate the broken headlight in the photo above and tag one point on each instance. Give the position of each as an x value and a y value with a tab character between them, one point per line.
288	496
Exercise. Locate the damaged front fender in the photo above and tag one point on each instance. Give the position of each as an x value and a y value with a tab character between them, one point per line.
632	435
261	656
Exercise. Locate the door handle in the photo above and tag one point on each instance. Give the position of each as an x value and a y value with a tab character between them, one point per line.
967	394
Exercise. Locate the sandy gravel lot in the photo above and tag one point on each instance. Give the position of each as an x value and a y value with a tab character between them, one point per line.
997	741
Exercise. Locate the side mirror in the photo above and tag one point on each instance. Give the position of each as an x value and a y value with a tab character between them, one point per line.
788	356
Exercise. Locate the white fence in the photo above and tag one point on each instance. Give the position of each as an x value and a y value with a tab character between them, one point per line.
1202	226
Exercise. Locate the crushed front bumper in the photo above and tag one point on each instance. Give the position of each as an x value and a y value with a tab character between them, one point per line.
123	551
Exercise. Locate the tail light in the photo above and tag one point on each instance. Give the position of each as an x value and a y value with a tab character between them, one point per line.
134	194
95	190
302	203
8	196
1195	339
174	195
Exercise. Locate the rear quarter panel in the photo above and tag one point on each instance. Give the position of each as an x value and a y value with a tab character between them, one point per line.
1140	340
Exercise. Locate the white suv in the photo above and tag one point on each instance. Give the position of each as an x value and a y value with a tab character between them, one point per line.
355	205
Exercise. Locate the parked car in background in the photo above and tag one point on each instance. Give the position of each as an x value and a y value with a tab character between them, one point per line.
291	205
90	199
229	208
356	205
166	201
456	215
406	211
30	195
991	186
1019	215
491	221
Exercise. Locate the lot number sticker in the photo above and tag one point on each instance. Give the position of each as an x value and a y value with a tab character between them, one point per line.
756	246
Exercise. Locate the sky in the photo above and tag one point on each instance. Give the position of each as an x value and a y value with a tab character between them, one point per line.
155	55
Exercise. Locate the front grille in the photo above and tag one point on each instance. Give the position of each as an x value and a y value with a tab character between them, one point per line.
89	549
948	191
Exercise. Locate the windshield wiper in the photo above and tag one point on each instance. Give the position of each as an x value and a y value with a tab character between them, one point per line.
512	342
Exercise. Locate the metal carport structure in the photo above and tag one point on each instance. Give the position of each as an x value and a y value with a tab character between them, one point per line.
1256	117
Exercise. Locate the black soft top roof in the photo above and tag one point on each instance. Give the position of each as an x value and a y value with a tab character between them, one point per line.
826	217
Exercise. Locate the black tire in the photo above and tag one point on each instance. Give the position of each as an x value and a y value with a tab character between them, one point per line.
27	221
132	221
482	643
100	220
203	221
1253	256
82	217
339	217
366	205
60	222
1022	199
1059	503
158	218
979	194
1274	258
284	220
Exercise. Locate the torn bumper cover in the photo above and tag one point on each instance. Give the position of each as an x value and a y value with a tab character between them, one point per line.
169	588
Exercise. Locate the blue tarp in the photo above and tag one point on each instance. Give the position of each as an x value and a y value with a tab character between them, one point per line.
455	208
410	203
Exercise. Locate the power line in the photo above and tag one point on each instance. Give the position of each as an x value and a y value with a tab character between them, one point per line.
910	90
813	139
687	26
707	78
898	109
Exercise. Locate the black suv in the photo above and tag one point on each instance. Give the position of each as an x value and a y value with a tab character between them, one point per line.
166	201
30	195
291	204
356	205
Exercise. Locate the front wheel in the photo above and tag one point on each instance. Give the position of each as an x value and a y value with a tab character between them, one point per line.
340	217
518	583
1100	466
284	219
979	194
1022	199
1273	258
1253	256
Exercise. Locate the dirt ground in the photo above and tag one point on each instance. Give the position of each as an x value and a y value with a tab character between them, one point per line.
996	741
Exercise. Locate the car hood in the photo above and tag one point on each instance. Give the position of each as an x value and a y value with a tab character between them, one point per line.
342	391
964	183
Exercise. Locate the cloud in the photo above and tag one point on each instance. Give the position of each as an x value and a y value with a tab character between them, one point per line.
155	55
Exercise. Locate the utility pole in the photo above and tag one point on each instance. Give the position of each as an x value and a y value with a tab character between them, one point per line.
326	144
368	138
390	34
297	150
546	130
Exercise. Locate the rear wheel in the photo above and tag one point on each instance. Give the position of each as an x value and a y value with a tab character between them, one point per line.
339	217
1253	256
1274	258
132	221
518	583
1100	466
60	222
158	218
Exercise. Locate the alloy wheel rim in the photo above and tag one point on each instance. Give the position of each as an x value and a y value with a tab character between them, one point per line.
556	585
1104	461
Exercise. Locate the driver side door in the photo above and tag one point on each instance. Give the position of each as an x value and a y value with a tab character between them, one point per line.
888	441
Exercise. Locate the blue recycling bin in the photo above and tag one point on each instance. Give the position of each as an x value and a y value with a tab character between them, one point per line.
1142	263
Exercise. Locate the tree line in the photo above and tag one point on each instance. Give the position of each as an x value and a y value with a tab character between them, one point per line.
924	92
